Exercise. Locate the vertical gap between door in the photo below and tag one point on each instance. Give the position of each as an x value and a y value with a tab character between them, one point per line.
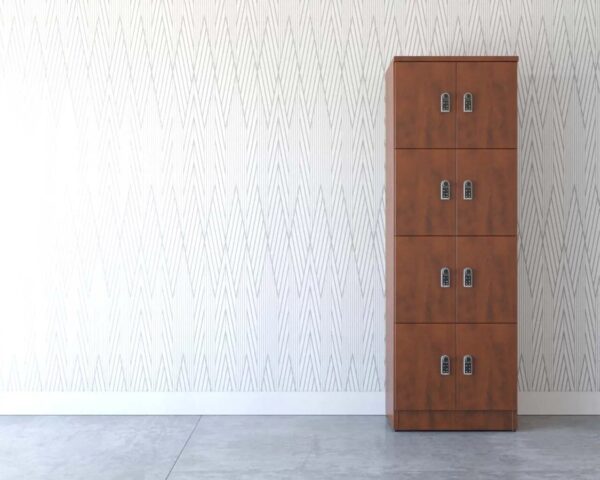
456	236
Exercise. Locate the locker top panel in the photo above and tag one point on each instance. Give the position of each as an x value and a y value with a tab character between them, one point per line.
456	59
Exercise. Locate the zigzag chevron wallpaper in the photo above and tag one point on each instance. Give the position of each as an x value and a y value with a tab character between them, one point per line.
192	191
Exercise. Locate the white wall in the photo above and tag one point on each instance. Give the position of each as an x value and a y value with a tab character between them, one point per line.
192	198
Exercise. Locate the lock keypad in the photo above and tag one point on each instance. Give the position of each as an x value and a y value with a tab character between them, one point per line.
468	277
445	365
467	190
445	190
468	102
445	277
445	102
467	365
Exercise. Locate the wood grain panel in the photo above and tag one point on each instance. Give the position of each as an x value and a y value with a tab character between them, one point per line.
434	420
493	296
419	384
425	420
419	122
419	296
493	384
493	209
419	208
493	122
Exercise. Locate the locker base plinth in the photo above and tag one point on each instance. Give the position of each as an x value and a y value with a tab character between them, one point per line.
454	420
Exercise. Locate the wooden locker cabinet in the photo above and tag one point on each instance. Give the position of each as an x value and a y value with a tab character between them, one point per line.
451	252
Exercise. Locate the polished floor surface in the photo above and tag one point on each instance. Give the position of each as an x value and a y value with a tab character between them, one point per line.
290	448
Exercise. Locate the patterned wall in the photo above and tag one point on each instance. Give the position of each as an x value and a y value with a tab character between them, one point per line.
192	192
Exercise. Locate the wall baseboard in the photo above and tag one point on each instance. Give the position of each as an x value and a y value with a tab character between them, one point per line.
559	403
192	403
259	403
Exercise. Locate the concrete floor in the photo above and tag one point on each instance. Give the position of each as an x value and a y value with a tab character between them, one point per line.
290	448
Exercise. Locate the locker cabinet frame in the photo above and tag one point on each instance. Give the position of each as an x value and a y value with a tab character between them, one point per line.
398	224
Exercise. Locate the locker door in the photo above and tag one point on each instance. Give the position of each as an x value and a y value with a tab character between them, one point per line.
419	383
490	293
418	90
425	279
424	206
492	123
492	383
486	192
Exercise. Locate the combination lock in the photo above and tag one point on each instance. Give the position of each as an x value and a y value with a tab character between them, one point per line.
445	102
468	102
467	277
444	365
445	190
467	190
445	277
467	365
